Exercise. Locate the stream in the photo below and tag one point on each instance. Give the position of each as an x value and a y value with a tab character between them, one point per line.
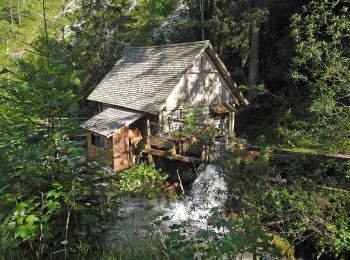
209	190
193	212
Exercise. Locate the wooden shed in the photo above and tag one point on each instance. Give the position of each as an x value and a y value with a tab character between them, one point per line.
147	91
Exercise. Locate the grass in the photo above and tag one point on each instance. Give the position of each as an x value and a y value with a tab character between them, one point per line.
304	144
310	146
31	26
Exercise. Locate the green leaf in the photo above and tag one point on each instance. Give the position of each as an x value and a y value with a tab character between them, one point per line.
4	71
258	234
55	194
57	185
205	234
24	231
75	81
31	219
226	247
239	240
52	205
21	206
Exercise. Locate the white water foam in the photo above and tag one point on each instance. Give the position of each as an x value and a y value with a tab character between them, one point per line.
209	191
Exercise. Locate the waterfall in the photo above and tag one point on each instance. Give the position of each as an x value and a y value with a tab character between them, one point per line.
209	190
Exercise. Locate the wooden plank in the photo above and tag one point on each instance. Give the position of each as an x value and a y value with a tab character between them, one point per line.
223	108
184	122
156	152
169	155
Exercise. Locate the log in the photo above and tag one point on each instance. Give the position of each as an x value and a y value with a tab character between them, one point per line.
285	154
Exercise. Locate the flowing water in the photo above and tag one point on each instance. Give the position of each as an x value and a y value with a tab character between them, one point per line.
209	191
193	212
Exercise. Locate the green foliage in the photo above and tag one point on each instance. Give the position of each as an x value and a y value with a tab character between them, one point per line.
149	25
50	206
300	208
17	18
227	237
99	37
142	179
47	200
193	126
232	22
321	65
44	213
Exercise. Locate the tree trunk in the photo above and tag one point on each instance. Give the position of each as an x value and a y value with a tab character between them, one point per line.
11	15
7	56
18	13
253	59
201	7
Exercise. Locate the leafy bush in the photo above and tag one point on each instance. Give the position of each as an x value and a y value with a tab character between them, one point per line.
320	67
53	203
225	237
304	202
56	214
142	179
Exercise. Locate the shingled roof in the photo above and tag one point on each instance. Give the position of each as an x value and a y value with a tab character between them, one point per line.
106	122
144	77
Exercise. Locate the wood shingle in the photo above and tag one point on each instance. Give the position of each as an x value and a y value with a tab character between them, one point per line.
144	77
109	120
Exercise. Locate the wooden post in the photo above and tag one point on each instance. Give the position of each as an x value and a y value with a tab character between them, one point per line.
88	144
232	124
148	143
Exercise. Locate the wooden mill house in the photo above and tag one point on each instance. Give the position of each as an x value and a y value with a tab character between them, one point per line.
142	100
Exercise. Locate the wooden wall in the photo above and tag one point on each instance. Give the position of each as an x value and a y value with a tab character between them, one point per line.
122	154
119	153
201	85
103	155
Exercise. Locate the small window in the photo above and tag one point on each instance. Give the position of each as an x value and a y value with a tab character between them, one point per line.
99	141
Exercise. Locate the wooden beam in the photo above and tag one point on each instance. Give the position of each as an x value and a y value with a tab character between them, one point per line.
184	122
171	156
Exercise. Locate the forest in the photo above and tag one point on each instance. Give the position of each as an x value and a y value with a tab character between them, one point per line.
290	59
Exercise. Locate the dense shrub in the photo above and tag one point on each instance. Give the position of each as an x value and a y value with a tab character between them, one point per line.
141	179
305	201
